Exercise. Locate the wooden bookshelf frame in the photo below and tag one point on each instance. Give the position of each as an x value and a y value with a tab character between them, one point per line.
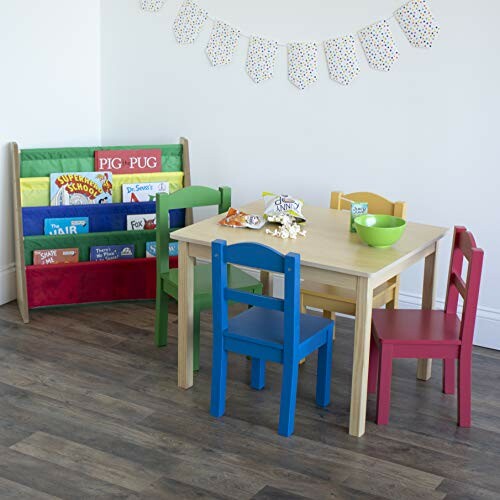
21	283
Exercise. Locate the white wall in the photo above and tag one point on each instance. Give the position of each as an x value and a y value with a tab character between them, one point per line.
49	91
426	133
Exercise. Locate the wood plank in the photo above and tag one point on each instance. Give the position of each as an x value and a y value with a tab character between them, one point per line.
86	460
171	489
22	290
186	168
53	479
13	490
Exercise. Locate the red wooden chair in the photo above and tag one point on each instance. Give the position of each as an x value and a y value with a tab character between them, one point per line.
423	334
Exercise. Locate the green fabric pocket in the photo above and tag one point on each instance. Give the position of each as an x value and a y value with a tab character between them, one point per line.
84	241
43	162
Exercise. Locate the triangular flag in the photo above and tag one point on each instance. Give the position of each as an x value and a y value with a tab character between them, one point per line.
188	23
343	64
303	63
379	46
261	58
418	23
222	43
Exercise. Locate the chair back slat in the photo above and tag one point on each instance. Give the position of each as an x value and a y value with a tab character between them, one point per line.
188	197
464	247
252	299
377	204
467	244
258	256
195	196
459	284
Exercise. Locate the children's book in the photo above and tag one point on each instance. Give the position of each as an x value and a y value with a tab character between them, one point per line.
128	161
84	188
138	222
150	248
112	252
143	191
66	225
55	256
173	249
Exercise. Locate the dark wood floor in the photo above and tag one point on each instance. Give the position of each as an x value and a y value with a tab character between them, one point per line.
90	409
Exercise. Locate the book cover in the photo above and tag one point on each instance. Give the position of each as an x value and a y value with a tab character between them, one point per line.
66	225
138	222
143	191
128	161
112	252
173	249
55	256
151	249
85	188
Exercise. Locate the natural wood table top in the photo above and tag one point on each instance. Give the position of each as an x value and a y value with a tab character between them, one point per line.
329	244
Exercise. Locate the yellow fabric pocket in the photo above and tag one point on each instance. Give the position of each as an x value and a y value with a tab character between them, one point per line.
175	180
35	191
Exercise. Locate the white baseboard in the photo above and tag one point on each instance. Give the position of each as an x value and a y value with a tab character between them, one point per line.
7	283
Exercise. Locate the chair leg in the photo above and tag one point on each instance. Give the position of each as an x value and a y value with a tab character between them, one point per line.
196	339
161	316
288	397
394	303
333	317
384	384
303	310
464	390
449	376
219	377
373	369
258	377
324	373
326	314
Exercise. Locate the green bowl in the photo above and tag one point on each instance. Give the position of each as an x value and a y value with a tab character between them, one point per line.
379	231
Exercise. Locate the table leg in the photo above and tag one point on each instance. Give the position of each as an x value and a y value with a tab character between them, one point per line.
185	326
364	302
267	281
424	369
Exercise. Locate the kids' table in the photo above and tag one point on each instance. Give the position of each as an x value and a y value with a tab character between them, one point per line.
330	254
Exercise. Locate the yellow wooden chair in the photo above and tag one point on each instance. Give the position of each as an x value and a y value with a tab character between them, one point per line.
334	299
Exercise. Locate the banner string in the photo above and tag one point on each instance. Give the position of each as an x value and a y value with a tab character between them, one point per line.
280	44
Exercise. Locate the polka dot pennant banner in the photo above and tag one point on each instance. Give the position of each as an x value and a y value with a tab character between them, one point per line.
379	46
418	23
303	63
414	17
343	64
261	59
188	23
152	5
222	43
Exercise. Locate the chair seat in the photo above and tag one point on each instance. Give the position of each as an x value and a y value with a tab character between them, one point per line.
237	279
266	327
402	326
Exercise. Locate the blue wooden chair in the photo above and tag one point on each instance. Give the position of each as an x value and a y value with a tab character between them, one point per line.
272	330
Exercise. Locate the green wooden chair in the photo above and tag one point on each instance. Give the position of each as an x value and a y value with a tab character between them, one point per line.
167	280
